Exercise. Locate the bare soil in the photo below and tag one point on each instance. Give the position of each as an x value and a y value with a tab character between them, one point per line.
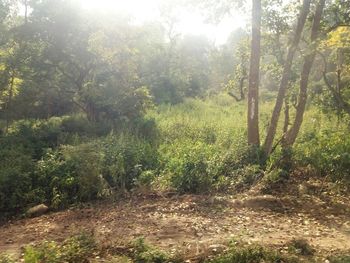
195	223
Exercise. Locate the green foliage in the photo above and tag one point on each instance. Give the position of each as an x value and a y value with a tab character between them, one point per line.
143	253
245	177
327	151
301	247
35	135
76	249
91	170
203	144
274	179
251	253
80	125
197	167
16	189
189	166
340	259
124	159
6	259
146	179
70	174
194	147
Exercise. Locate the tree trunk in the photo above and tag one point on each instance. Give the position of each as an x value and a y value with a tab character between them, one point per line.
285	77
26	11
253	88
304	79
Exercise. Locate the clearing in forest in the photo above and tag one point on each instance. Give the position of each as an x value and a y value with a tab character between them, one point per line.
196	224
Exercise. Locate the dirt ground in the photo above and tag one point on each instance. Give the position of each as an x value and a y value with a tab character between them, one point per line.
193	224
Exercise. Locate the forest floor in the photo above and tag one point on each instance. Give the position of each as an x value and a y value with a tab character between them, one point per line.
196	224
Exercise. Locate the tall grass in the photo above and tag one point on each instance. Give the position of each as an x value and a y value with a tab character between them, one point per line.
193	146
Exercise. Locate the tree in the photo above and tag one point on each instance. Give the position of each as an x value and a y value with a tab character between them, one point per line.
292	133
254	71
304	11
336	80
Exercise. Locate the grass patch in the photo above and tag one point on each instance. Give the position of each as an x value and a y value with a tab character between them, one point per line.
77	249
6	259
241	253
340	259
300	247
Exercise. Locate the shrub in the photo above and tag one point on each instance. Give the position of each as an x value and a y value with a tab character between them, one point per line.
145	179
144	253
15	180
301	247
88	171
198	167
80	125
328	151
245	177
36	135
237	158
274	179
251	253
340	259
6	259
124	159
70	174
189	166
145	128
76	249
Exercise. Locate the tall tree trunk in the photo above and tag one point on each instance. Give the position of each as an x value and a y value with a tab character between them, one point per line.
26	11
285	77
253	88
304	78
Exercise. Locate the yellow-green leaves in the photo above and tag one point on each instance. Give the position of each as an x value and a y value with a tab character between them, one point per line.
339	38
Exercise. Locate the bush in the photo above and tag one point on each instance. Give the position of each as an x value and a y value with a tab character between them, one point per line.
328	151
144	253
145	179
243	178
340	259
16	189
189	166
197	167
145	128
70	174
6	259
88	171
76	249
251	253
36	135
301	247
124	159
274	180
80	125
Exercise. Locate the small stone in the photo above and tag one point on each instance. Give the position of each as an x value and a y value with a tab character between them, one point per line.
37	210
9	241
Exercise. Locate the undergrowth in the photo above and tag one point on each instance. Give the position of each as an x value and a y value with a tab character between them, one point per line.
77	249
83	248
198	146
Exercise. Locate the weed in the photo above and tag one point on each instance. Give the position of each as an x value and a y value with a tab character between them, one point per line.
301	247
252	254
76	249
6	259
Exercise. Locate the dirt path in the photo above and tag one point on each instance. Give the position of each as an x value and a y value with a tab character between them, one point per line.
192	223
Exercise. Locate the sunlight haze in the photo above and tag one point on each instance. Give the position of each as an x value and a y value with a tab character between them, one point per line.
189	21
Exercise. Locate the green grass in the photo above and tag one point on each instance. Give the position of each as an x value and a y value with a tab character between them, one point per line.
77	249
196	146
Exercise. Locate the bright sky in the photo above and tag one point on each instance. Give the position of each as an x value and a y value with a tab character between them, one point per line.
189	22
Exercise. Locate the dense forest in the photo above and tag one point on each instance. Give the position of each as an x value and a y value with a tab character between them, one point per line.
129	141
